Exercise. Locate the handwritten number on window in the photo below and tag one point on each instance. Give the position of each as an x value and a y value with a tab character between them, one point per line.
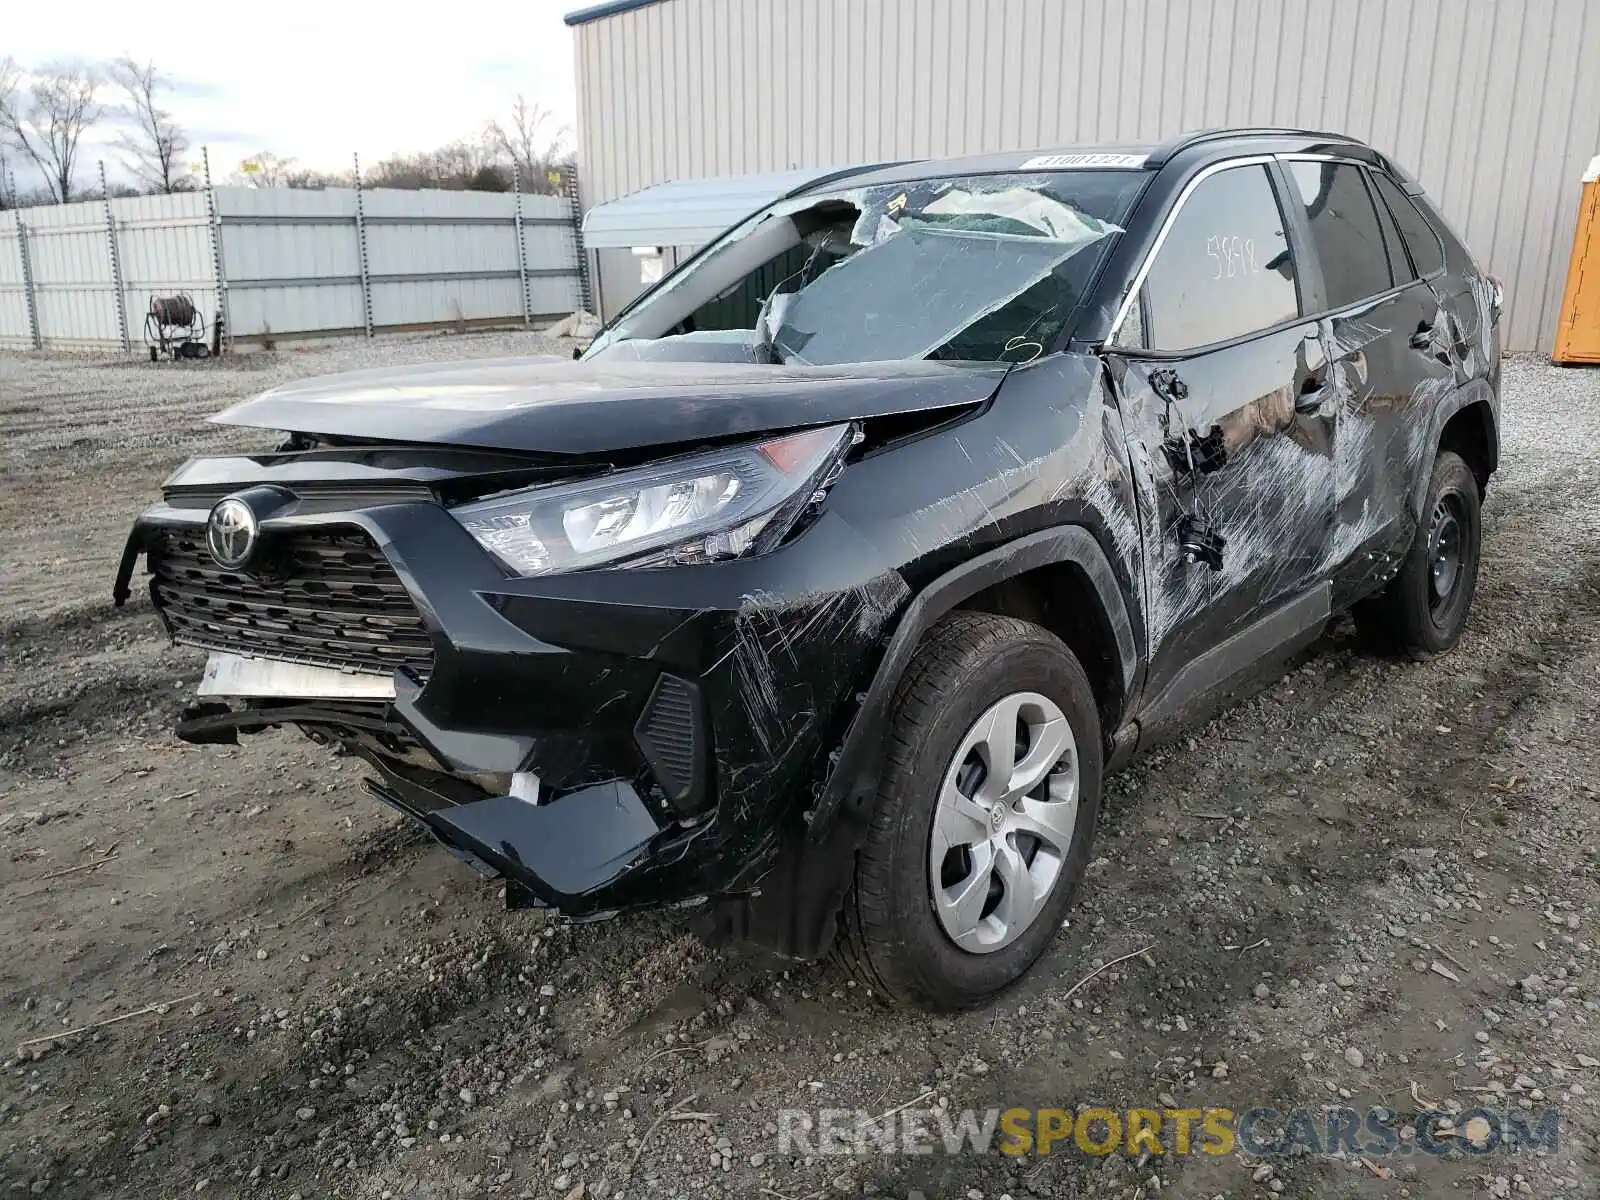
1232	256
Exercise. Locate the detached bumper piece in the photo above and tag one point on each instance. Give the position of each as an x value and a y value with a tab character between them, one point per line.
553	855
562	853
559	851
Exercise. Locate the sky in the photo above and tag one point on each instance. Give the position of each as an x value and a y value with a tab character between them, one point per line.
314	82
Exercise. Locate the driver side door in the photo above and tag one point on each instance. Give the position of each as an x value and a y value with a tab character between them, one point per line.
1223	385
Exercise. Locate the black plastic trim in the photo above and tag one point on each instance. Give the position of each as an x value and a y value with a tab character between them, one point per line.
676	702
1299	619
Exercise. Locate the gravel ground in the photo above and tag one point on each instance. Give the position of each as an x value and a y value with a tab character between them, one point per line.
1365	883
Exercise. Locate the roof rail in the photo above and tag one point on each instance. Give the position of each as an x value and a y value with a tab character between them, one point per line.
1184	141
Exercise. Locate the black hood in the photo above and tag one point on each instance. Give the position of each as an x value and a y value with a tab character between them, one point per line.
560	407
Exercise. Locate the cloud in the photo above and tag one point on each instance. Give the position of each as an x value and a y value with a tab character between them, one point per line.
318	81
514	68
195	89
213	135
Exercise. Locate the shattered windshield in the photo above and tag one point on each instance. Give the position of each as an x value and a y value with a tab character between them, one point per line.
911	294
976	268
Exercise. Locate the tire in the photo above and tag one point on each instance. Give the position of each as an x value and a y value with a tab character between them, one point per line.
893	935
1411	618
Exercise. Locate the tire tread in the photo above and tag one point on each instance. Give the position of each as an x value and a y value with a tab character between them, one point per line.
927	686
1395	621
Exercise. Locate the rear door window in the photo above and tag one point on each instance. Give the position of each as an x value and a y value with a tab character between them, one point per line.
1344	230
1224	269
1427	254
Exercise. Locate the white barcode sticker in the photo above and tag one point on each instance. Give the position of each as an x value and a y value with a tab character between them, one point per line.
1070	162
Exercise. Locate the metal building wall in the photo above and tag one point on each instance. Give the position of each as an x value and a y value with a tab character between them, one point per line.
1484	100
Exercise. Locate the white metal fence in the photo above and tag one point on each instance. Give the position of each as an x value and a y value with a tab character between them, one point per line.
281	262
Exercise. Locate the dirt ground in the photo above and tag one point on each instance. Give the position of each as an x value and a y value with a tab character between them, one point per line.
1367	883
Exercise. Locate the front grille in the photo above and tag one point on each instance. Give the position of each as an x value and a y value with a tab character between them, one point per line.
325	597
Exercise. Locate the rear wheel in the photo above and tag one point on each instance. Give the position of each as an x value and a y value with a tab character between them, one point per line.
984	818
1424	609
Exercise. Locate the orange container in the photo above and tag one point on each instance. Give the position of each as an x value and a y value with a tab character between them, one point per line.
1578	330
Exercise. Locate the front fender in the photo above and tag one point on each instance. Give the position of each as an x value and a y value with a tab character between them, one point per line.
852	782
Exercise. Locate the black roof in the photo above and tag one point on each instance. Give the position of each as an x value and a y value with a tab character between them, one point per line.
870	174
1224	142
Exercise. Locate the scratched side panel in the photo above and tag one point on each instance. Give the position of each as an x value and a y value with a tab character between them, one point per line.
1387	390
1268	493
1468	323
783	676
1038	457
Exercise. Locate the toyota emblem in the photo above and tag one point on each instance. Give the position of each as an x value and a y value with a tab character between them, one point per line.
231	533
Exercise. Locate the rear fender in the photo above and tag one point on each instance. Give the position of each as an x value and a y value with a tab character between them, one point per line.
1475	393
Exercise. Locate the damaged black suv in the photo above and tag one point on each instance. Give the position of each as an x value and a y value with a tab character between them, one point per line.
824	589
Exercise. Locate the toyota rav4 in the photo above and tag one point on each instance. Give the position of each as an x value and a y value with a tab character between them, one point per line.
823	591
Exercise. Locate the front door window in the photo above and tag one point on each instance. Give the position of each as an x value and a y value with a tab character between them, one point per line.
1224	269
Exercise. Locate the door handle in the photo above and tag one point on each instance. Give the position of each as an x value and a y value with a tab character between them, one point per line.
1422	339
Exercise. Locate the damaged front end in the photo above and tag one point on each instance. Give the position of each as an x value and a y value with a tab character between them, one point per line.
602	627
602	739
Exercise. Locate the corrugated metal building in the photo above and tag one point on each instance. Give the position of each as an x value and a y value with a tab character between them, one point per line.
1486	101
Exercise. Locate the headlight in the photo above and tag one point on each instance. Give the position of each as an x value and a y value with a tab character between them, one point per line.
694	509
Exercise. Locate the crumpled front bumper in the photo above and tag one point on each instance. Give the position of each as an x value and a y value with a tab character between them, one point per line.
679	720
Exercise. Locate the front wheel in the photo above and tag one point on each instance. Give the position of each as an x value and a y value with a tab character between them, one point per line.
1424	609
985	815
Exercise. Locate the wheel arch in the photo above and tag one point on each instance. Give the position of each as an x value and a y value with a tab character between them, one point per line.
1470	431
993	581
1061	598
795	913
1465	422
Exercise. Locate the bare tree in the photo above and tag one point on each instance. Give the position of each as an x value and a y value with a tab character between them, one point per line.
10	75
44	116
156	143
529	143
312	180
264	169
462	164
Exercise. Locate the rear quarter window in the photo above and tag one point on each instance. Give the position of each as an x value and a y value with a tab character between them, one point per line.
1421	239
